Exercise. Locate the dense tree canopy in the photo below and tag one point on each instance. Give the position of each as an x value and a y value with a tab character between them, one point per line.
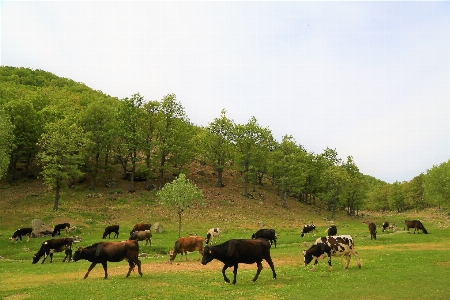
62	130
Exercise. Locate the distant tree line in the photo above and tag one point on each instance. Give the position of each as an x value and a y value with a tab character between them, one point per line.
70	131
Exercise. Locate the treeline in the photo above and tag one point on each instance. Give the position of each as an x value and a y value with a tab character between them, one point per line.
71	131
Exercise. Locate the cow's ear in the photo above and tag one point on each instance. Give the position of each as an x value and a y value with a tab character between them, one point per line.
304	252
210	251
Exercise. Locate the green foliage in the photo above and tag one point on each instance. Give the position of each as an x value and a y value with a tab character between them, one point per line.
6	142
62	153
437	184
180	195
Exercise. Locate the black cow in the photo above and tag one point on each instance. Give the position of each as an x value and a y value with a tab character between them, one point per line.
59	227
331	246
332	230
21	232
373	231
54	245
268	234
236	251
416	224
110	229
308	228
103	252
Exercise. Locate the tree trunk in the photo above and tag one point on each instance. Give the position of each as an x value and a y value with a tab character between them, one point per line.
285	198
179	224
133	171
219	177
57	194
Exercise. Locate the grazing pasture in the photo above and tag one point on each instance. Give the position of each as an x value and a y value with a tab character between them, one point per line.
412	262
397	265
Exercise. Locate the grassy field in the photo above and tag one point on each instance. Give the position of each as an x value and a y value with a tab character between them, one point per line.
397	265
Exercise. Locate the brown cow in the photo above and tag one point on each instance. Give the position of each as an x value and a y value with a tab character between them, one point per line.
187	244
59	227
110	251
143	235
416	224
141	227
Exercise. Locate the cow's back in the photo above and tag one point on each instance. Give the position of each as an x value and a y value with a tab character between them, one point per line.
249	250
116	251
189	243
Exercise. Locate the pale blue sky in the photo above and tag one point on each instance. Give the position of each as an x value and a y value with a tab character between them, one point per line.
369	79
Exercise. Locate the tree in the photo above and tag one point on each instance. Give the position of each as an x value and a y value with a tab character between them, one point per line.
26	133
357	187
148	129
288	167
129	115
252	145
396	197
174	137
6	142
97	121
217	147
437	184
180	195
62	154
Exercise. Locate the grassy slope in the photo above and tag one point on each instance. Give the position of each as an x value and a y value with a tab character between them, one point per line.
395	266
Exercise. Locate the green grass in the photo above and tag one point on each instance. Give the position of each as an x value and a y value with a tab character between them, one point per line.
395	266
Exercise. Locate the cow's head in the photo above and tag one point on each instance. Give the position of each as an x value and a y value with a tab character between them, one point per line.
36	257
77	254
208	255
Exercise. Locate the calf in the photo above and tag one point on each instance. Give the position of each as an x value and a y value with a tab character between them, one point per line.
54	245
21	232
59	227
268	234
141	227
331	246
185	244
103	252
211	234
111	229
416	224
143	235
233	252
373	231
308	228
332	230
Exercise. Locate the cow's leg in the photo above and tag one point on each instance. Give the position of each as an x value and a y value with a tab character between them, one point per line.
270	262
235	273
131	264
357	258
45	257
28	237
68	253
105	267
225	267
89	270
259	265
275	241
347	257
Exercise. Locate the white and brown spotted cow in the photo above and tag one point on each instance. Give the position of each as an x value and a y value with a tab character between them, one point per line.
341	245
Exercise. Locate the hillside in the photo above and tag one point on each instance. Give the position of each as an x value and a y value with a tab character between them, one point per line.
25	200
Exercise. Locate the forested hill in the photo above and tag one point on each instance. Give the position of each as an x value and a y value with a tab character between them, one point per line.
66	132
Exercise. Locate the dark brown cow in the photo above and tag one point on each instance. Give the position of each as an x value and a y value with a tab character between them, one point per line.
21	232
141	227
59	227
110	251
373	231
110	229
54	245
416	224
186	244
233	252
384	226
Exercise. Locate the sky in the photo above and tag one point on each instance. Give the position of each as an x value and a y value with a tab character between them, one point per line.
368	79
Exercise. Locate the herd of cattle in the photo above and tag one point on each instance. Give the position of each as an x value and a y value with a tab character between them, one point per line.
230	253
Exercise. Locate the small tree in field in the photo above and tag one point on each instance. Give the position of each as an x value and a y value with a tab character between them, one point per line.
180	195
